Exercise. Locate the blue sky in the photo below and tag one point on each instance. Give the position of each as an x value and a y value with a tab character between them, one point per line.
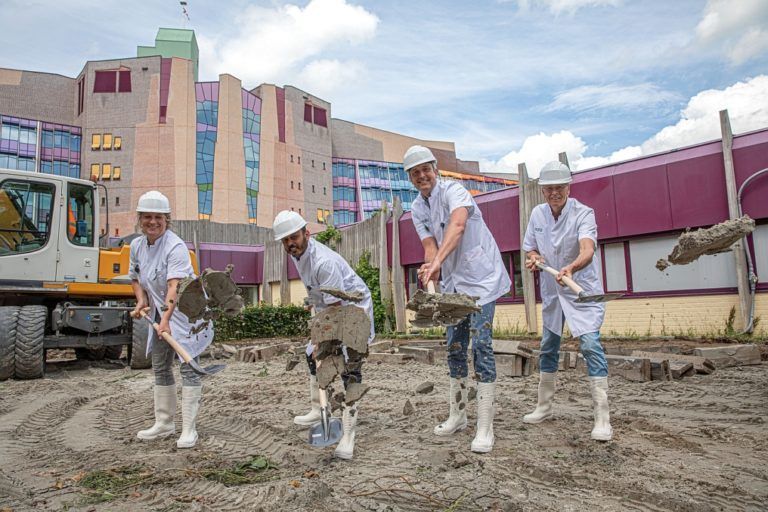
508	81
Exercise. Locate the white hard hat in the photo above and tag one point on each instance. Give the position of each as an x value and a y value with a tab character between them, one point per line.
153	201
287	223
554	173
417	155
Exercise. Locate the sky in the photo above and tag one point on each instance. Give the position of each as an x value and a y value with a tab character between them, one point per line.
509	81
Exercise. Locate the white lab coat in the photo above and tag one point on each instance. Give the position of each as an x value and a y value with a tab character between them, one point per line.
475	267
321	267
153	265
558	243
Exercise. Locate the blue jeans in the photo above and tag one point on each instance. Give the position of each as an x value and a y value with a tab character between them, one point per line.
479	327
590	347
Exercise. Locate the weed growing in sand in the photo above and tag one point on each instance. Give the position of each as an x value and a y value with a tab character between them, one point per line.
264	371
106	485
251	471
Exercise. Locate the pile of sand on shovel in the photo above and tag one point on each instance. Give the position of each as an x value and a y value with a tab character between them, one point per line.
719	238
441	309
210	296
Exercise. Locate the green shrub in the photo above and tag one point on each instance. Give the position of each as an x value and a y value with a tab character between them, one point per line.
330	237
370	276
264	321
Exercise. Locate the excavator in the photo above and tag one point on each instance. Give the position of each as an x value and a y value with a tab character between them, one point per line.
61	287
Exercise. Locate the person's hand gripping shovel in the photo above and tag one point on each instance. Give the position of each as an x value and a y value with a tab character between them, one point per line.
183	354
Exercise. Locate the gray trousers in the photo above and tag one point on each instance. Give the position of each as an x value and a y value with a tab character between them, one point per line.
162	363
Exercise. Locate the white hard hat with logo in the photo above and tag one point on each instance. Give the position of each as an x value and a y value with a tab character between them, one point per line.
153	202
554	173
287	223
417	155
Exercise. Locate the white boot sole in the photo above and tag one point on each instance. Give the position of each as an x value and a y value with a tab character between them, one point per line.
187	444
443	433
602	437
535	421
153	437
481	449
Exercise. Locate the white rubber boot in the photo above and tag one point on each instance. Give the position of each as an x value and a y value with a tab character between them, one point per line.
602	430
543	409
457	419
483	441
165	410
190	404
313	416
346	446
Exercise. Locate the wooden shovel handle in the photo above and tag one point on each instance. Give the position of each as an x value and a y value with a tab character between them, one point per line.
567	280
431	287
169	339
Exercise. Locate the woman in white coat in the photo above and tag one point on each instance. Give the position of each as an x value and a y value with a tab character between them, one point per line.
159	261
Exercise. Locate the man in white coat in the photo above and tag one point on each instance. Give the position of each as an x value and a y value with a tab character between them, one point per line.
563	233
460	251
320	267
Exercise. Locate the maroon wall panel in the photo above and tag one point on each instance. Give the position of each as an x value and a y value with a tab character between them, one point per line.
598	194
501	213
750	154
697	191
642	201
411	250
292	272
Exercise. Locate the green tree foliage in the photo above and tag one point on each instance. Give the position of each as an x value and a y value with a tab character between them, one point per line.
330	237
264	321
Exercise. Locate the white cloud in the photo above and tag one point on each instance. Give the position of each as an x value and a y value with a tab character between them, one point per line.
738	27
613	96
699	122
567	6
272	44
324	77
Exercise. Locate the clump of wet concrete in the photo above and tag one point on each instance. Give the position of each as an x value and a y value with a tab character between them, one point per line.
346	324
425	387
354	392
408	408
329	368
210	296
343	295
441	309
719	238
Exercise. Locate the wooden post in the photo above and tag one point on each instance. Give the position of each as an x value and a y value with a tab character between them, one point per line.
385	286
266	292
285	286
526	204
398	278
733	212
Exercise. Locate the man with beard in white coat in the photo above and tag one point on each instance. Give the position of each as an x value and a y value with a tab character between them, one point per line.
320	267
563	233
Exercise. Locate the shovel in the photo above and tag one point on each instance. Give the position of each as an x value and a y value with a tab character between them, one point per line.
183	354
578	290
329	430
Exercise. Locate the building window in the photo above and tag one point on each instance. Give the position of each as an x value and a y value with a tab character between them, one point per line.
80	95
106	142
325	191
117	200
117	231
117	145
320	117
298	158
103	203
313	164
323	165
106	171
615	268
95	172
95	141
124	83
327	214
320	217
291	184
299	185
307	112
313	189
105	81
116	173
299	211
291	158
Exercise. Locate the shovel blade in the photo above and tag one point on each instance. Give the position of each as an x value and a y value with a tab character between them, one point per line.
320	437
598	298
209	370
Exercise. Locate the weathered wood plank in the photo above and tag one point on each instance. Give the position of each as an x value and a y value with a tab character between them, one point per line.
637	369
511	347
730	355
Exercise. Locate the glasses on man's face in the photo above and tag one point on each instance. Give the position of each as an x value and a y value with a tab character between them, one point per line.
553	189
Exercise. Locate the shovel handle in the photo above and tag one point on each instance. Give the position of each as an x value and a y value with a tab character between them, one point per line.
431	287
578	290
168	339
